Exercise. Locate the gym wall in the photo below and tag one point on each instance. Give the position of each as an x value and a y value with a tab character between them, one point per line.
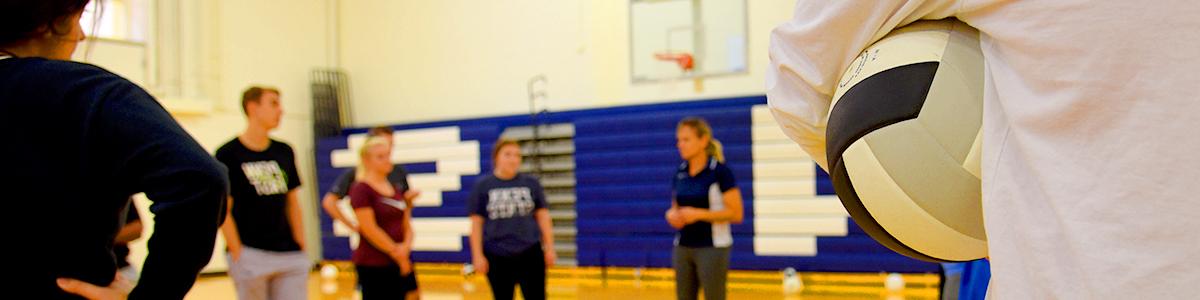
425	61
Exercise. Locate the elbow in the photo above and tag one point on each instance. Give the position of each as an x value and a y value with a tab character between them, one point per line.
737	218
217	179
217	176
212	181
329	203
136	229
199	192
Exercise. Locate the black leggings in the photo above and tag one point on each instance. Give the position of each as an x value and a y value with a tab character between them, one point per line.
527	269
385	282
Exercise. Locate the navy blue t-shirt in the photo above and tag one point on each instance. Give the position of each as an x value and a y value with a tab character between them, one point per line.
78	141
507	207
703	191
259	182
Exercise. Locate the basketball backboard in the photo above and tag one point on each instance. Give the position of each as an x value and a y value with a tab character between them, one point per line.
675	39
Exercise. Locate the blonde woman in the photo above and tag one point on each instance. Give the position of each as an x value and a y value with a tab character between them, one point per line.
706	201
339	210
384	213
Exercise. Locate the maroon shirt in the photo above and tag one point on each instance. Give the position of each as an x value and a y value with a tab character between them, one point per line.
389	215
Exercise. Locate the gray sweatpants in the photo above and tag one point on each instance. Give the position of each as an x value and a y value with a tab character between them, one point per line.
700	267
268	275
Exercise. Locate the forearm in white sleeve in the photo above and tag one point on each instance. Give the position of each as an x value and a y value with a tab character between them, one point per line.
809	53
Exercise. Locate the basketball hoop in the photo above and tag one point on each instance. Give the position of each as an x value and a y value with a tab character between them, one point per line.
684	59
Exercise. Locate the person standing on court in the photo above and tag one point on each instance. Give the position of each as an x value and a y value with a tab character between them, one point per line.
706	200
341	187
511	236
264	228
78	142
384	211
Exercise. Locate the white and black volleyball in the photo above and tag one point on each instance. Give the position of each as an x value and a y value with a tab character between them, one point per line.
904	141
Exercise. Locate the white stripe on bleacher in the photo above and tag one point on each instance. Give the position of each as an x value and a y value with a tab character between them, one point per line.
458	166
785	245
460	226
795	225
441	182
412	137
427	199
783	169
779	150
785	187
427	153
761	114
788	216
437	242
343	158
439	234
819	207
767	133
421	137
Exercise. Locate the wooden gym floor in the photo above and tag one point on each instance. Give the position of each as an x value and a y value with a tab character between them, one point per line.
445	281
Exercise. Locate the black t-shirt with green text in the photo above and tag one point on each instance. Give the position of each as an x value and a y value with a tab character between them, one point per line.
259	183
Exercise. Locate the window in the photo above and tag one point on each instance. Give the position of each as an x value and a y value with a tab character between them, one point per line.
158	44
122	20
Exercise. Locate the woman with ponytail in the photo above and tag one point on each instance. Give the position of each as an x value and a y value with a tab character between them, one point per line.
706	200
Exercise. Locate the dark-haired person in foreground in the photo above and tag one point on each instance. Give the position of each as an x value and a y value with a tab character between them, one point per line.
78	141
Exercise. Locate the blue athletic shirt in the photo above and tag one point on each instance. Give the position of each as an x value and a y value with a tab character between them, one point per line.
704	191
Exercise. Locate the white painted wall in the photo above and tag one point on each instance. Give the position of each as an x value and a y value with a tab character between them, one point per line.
417	60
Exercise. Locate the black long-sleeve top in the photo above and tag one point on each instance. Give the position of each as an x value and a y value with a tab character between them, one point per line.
77	141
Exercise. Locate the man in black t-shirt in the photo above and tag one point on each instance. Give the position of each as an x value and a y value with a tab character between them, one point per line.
264	231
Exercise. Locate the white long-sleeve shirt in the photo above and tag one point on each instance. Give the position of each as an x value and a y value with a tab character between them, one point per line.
1091	132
